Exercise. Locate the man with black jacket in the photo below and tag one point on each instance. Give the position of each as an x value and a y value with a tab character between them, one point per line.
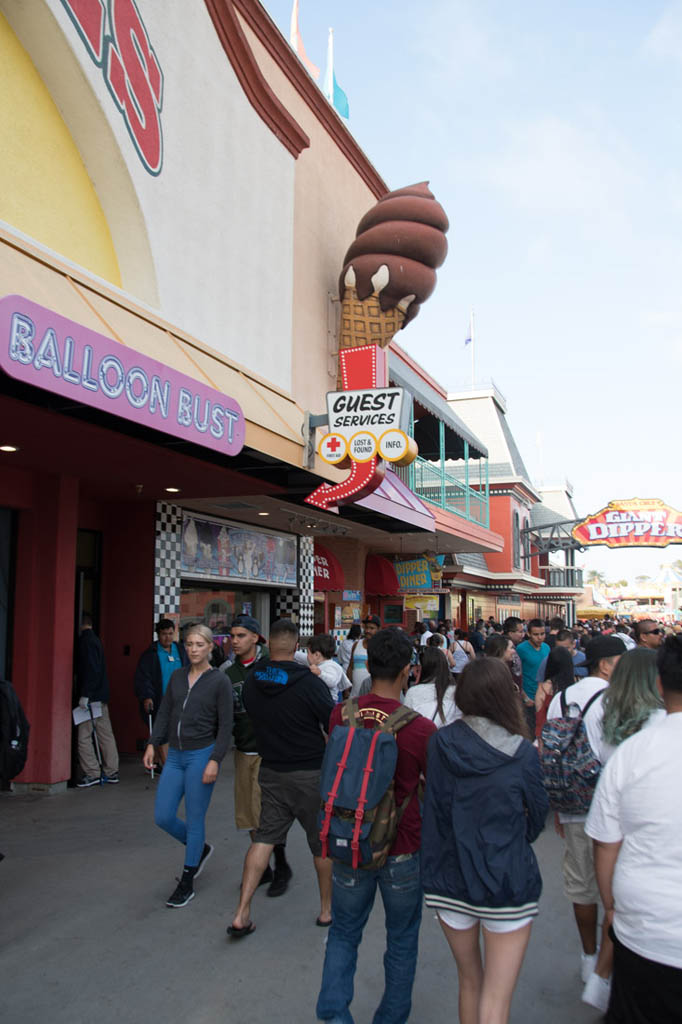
289	708
94	687
249	647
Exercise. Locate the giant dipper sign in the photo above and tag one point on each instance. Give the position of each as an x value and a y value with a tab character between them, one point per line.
634	523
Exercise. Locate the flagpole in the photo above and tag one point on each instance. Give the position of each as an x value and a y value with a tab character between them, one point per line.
473	349
293	26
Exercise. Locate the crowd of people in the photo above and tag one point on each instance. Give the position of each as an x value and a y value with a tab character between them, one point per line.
468	790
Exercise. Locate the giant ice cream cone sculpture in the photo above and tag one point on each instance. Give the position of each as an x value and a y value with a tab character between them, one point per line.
390	268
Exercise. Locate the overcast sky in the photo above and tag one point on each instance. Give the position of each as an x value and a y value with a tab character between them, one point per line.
550	132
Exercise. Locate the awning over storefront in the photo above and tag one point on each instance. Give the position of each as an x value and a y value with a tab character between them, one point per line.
272	420
328	571
394	498
380	577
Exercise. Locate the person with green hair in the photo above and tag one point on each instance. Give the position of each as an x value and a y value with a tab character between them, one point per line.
631	702
632	699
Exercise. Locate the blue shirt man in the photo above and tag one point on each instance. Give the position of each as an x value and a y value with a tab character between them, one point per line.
169	659
155	667
532	652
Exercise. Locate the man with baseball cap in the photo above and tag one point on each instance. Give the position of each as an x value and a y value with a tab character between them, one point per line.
580	884
248	646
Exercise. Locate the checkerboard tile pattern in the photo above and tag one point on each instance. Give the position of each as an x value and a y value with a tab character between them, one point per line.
306	585
287	605
167	555
298	605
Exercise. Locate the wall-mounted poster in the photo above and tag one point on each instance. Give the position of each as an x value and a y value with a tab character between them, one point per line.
217	549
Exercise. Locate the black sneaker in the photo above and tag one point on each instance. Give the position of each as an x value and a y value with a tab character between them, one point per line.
280	880
88	780
206	853
181	897
113	778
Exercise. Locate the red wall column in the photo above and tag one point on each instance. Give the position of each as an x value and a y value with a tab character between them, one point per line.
127	611
44	626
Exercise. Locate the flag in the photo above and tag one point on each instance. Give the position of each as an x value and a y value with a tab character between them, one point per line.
296	43
332	90
470	333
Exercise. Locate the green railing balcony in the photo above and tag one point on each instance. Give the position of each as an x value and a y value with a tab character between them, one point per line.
431	482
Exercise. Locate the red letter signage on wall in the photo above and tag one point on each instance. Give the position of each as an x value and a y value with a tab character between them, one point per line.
117	41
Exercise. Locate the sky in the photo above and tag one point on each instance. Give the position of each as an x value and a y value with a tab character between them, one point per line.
550	133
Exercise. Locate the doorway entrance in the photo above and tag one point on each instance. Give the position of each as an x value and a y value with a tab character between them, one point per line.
8	549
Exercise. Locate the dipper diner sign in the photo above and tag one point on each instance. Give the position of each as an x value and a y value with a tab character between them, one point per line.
41	348
634	523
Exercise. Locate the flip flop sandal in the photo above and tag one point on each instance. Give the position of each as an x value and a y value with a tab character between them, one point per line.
241	933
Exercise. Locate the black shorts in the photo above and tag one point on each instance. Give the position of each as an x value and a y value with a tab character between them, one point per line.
643	991
286	797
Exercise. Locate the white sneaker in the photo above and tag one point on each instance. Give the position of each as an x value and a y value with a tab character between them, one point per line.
588	962
597	992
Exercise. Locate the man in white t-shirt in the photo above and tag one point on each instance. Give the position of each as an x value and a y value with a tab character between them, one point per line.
580	885
319	655
428	632
636	824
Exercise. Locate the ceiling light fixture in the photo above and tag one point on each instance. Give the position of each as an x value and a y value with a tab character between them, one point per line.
301	523
263	513
8	448
173	490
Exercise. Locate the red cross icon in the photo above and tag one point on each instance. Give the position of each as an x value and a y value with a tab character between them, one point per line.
333	445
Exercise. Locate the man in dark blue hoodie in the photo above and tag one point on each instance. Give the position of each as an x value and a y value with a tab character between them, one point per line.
288	707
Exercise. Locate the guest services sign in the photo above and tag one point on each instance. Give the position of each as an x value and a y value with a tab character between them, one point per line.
364	423
39	347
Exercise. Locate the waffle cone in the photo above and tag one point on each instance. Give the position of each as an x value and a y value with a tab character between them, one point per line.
364	322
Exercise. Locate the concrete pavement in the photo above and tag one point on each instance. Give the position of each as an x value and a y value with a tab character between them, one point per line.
85	935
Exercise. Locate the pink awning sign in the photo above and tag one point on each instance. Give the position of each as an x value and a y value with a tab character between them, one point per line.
42	348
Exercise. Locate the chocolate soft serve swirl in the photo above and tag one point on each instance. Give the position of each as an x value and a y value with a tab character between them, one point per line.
398	246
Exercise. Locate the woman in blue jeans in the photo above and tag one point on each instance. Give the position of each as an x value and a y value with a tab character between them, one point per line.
195	719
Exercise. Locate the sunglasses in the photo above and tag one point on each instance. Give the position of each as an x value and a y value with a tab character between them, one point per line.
652	632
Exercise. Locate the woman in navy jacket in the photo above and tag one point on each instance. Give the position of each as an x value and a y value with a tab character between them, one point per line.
484	806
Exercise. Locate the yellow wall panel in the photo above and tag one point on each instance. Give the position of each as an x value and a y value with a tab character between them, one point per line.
45	190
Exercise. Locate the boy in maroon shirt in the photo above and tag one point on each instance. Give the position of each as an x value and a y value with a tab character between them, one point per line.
389	655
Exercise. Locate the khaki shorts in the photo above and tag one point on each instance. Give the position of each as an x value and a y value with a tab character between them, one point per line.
288	797
580	883
246	790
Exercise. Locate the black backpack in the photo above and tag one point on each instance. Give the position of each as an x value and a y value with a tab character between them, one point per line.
14	730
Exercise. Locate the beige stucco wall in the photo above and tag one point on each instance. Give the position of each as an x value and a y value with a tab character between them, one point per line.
330	197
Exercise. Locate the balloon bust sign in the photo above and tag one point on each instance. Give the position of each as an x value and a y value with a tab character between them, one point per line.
389	270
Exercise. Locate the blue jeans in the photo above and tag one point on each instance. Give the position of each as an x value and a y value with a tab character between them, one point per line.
352	900
181	776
